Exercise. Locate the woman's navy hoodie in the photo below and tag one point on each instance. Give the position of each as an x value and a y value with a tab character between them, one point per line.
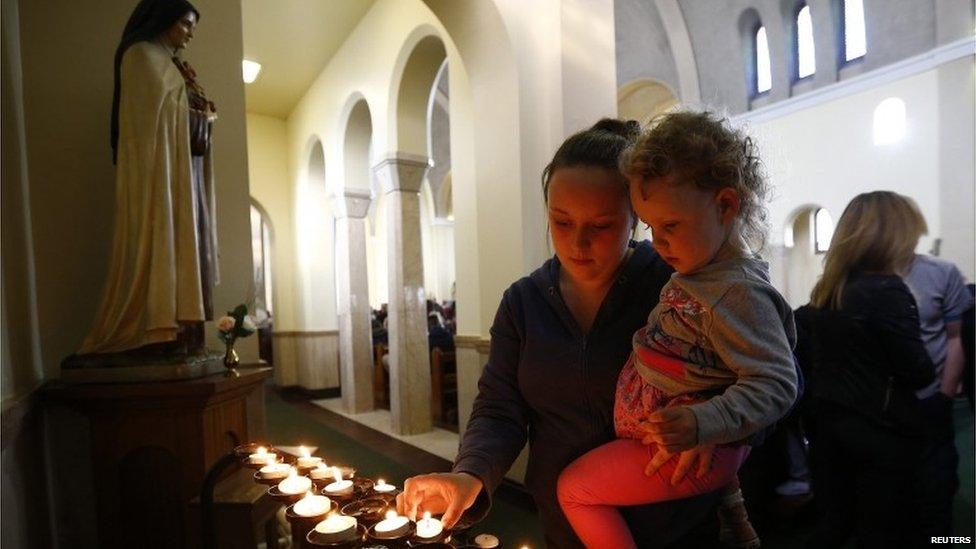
549	384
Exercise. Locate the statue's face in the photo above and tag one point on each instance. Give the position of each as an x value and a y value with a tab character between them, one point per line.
180	34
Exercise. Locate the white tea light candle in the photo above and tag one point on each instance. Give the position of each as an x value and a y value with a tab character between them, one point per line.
339	487
306	460
312	506
321	471
393	526
274	470
382	486
294	484
486	541
428	527
335	528
262	457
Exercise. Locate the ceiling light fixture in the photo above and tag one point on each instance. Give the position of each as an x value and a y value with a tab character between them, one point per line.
251	70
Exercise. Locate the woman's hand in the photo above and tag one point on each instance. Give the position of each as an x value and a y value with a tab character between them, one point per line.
673	429
449	494
686	460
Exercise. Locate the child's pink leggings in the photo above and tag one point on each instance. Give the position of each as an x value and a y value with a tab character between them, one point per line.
591	488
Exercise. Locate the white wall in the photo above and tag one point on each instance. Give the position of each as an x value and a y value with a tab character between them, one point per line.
267	154
825	155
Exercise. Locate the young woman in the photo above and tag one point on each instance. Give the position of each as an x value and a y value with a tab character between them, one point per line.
861	348
558	342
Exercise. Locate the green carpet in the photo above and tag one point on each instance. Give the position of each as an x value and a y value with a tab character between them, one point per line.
516	527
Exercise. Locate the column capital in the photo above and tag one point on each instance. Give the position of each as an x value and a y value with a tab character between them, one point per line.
351	203
399	171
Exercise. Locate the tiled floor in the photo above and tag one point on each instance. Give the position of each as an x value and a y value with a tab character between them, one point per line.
439	442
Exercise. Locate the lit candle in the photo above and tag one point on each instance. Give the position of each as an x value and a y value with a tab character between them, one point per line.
486	541
393	526
294	484
428	527
274	470
382	486
339	487
335	528
312	506
306	459
261	457
320	471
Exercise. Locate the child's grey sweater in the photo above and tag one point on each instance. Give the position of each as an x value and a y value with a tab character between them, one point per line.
733	334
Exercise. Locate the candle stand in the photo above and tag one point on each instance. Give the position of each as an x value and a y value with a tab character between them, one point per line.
361	510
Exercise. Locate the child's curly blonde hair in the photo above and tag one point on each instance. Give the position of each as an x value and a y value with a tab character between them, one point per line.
703	148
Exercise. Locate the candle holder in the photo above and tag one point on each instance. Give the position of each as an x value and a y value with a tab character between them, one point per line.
385	491
270	481
368	511
396	538
360	488
317	539
325	478
284	498
440	540
301	525
244	452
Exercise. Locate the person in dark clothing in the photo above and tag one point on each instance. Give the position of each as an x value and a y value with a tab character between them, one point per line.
437	335
969	347
863	356
558	342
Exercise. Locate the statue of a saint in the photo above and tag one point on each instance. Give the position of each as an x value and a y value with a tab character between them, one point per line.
163	262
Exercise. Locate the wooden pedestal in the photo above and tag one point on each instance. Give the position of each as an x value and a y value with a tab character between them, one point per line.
152	444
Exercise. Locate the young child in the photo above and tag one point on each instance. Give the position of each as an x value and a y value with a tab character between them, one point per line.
714	364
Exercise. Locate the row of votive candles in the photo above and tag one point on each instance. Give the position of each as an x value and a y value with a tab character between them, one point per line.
336	527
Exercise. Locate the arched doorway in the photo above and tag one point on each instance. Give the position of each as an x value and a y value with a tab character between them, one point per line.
261	253
806	237
643	99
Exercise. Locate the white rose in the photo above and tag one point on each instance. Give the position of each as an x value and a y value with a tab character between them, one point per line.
226	323
249	324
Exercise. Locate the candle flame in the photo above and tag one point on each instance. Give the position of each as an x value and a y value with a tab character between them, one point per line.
262	450
337	474
391	514
426	515
308	495
381	482
304	451
292	472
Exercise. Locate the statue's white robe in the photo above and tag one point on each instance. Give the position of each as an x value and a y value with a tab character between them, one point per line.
154	275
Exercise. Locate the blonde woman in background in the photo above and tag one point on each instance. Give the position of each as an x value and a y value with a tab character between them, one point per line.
864	358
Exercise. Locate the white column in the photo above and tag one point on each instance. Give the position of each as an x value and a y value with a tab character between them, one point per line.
400	176
355	331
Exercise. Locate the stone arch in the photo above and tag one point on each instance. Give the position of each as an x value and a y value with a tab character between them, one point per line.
487	164
420	60
802	264
357	145
643	99
444	203
674	25
316	240
267	254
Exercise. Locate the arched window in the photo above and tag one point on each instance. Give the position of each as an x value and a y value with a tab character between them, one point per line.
261	253
855	43
823	230
805	57
889	121
764	78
